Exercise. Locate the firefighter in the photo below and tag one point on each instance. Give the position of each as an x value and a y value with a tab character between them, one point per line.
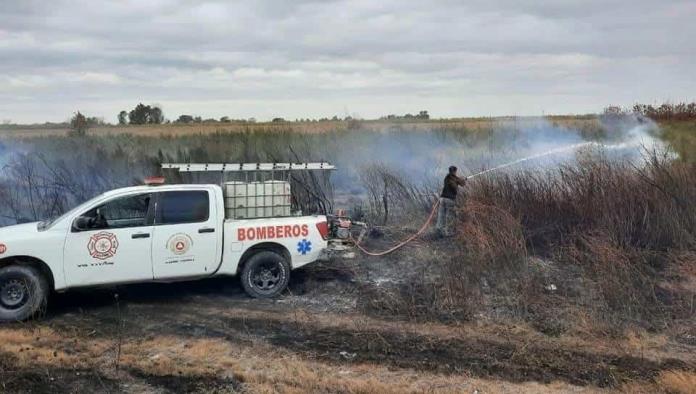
446	211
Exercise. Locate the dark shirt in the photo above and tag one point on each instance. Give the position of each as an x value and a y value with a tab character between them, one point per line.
450	188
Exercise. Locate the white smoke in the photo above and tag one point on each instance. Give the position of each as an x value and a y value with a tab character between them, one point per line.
545	145
4	154
420	155
634	132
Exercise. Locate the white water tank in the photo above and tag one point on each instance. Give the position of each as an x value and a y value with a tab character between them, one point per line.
257	199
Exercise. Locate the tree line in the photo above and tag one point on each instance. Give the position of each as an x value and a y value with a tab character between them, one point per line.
422	115
143	114
666	111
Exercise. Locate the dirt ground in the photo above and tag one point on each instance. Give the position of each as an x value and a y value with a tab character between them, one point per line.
208	336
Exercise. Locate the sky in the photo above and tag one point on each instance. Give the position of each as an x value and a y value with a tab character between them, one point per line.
363	58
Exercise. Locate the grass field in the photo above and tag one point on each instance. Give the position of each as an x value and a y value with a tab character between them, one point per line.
176	129
680	134
682	137
476	313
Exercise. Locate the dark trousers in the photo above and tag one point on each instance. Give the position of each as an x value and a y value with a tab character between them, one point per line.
446	214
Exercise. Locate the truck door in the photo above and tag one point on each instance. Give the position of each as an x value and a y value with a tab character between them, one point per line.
111	243
186	241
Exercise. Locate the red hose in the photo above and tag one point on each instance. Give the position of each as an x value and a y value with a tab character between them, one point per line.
404	242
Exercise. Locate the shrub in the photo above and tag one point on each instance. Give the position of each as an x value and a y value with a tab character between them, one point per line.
617	239
78	124
621	224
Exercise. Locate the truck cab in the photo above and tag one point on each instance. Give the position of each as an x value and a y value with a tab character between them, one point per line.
140	233
152	233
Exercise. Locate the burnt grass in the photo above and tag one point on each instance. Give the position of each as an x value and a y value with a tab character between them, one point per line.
14	379
64	380
510	360
482	358
187	310
189	384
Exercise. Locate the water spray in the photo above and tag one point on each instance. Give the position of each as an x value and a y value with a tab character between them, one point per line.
638	137
437	203
533	157
636	142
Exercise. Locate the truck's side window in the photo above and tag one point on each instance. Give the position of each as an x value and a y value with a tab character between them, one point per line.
122	212
183	207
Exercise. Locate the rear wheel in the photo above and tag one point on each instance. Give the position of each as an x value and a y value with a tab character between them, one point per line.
23	292
265	275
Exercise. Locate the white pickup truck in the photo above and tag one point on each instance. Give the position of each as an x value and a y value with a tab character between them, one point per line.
151	233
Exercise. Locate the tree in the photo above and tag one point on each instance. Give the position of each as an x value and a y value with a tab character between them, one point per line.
278	120
185	119
95	121
144	114
423	115
614	110
79	124
156	115
139	115
122	117
225	119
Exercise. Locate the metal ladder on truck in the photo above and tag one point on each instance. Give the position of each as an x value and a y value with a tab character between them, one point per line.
310	190
258	170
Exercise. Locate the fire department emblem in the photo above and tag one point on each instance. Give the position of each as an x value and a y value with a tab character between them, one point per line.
102	245
179	243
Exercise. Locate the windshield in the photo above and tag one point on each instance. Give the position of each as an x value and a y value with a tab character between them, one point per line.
46	224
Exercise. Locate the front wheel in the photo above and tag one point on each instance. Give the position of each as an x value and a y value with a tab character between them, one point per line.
23	292
265	275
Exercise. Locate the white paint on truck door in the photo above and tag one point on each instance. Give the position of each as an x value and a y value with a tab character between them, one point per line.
185	241
113	245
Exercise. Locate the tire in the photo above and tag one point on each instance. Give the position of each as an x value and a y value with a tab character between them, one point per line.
265	275
23	293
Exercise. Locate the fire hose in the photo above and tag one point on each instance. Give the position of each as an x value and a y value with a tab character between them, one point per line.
437	203
423	228
404	242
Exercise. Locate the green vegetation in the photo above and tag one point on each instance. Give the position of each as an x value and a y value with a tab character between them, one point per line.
681	135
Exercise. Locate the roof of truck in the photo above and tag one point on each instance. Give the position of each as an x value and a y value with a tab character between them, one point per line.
156	188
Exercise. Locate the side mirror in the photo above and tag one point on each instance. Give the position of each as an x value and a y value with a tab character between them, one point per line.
81	223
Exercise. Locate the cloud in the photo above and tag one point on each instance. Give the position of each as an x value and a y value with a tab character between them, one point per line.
320	58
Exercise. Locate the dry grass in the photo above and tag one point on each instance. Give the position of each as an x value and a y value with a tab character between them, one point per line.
240	344
491	237
639	341
464	124
628	229
32	346
615	240
678	382
261	368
